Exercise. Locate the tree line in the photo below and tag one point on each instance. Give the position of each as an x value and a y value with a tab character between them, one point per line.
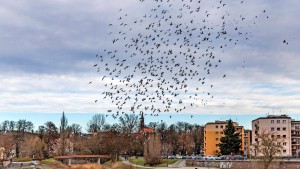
19	138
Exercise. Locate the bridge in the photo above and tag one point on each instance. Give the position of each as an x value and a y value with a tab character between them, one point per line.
73	157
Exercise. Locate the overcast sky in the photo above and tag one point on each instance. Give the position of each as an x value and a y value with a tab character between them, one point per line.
48	50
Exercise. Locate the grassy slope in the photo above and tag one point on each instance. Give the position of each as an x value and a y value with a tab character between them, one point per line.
140	161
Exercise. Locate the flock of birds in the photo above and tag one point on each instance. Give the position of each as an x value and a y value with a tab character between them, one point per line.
166	59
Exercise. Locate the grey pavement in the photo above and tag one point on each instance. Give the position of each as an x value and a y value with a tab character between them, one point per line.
170	167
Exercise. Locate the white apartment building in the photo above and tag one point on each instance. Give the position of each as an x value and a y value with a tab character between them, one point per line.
280	126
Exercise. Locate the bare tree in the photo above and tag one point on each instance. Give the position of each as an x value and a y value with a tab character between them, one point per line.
32	146
268	146
4	126
96	124
7	144
152	149
48	133
128	123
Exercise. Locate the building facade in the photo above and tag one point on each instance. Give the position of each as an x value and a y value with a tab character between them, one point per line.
279	127
247	142
213	132
295	132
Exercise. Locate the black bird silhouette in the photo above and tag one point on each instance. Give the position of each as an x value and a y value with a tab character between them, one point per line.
155	58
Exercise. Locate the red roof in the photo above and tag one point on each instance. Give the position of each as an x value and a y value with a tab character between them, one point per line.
147	130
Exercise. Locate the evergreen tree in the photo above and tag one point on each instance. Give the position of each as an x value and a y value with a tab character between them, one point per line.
231	142
63	128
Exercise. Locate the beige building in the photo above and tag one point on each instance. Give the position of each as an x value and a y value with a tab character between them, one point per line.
280	126
212	134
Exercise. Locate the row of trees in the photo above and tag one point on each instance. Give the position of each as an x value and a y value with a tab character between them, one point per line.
19	138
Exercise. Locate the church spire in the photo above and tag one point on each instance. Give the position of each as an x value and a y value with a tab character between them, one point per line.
142	123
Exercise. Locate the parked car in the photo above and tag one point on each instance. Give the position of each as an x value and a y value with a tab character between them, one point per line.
179	157
198	157
223	157
210	157
187	157
171	157
238	157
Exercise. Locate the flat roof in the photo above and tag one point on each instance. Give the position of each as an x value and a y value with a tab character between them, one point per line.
284	116
220	122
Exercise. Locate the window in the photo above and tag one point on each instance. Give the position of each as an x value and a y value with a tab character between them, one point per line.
284	128
284	151
272	121
217	145
278	144
284	136
278	128
272	136
284	121
217	132
278	136
256	139
217	126
284	143
221	132
221	126
272	128
278	121
278	151
217	139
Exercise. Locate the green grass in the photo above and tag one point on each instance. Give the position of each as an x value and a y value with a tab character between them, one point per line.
50	161
137	161
140	161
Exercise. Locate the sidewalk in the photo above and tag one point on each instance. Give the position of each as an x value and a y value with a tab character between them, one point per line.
129	163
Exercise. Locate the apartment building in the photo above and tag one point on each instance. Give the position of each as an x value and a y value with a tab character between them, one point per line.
295	132
213	132
279	126
247	141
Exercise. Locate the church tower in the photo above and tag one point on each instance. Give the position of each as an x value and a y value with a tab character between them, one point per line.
142	122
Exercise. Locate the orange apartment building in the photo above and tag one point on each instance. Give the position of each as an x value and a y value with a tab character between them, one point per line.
247	142
213	132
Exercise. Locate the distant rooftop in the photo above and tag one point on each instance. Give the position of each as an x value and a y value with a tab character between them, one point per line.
283	116
220	122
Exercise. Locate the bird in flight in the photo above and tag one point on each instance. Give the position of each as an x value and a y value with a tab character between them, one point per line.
158	59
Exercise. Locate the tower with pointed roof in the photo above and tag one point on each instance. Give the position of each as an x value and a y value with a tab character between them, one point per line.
142	122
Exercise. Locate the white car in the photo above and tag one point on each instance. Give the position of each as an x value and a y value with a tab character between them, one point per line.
210	157
179	157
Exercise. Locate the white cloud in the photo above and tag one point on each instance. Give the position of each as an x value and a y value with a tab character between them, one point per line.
47	52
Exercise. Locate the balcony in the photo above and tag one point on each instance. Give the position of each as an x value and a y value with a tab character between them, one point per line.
295	143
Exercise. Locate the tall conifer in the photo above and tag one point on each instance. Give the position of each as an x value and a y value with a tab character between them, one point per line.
231	142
